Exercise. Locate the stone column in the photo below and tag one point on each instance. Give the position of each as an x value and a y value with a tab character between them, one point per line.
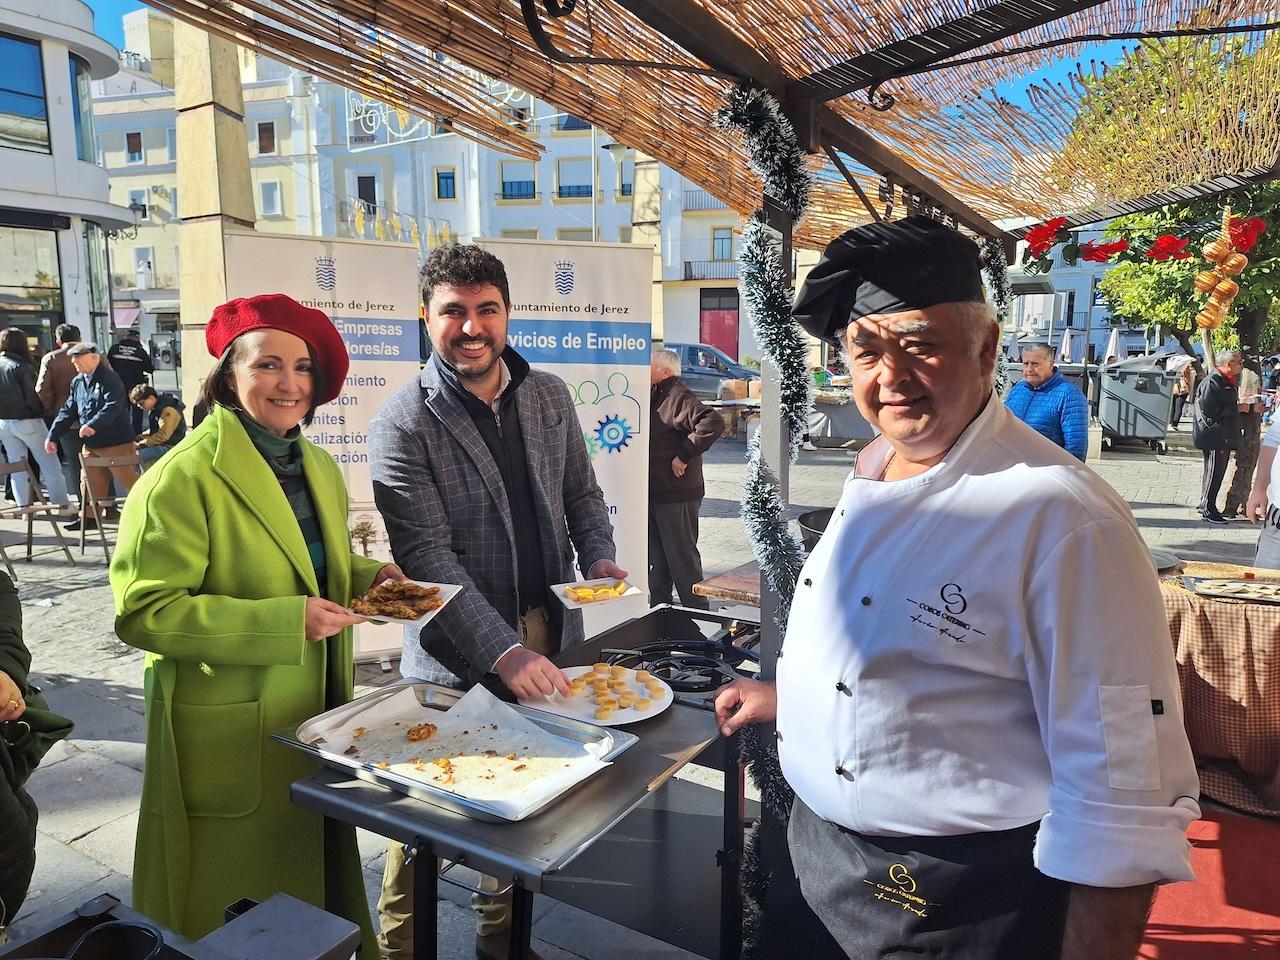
213	181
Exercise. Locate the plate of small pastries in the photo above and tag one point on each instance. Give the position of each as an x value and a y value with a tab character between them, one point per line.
1254	591
587	593
404	601
608	695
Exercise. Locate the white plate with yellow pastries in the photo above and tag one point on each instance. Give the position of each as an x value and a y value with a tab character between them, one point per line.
607	695
587	593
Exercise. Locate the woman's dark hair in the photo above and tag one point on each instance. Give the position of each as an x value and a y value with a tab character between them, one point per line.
463	265
219	386
14	340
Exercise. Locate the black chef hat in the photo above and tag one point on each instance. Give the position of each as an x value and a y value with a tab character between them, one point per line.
891	267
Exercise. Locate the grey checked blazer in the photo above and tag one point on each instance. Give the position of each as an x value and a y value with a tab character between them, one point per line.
441	497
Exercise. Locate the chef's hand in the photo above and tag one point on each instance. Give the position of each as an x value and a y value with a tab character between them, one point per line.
389	572
678	466
12	706
1256	508
743	702
86	432
606	568
50	447
529	675
326	618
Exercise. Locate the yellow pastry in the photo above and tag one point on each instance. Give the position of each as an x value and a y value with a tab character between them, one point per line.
617	672
643	676
604	713
627	700
601	668
643	703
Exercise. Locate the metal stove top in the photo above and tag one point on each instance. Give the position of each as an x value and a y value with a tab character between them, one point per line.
696	665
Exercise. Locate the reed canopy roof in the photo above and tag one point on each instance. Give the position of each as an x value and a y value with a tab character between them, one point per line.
1017	130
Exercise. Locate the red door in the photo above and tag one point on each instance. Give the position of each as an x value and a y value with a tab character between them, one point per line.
719	328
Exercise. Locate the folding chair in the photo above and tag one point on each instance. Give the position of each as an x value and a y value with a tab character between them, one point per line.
39	507
100	505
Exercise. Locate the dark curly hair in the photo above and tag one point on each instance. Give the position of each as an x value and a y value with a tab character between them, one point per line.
463	265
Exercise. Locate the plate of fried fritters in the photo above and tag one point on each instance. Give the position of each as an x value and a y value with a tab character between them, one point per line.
404	601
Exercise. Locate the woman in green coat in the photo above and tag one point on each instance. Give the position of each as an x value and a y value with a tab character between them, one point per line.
233	571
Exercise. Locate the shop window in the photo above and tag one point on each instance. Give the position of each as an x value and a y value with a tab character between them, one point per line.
30	280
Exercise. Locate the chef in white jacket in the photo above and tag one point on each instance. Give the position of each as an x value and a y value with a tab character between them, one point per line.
976	699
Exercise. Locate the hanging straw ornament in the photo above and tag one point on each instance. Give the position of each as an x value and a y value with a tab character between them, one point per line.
1227	262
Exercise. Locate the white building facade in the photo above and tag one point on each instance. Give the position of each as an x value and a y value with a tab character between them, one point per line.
54	209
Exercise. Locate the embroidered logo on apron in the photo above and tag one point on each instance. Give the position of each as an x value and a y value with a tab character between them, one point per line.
903	892
944	617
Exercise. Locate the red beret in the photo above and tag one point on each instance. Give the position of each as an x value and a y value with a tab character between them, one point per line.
275	311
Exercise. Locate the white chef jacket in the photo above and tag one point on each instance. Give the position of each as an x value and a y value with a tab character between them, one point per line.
983	646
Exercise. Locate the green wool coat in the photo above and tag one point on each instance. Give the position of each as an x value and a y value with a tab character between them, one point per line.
211	576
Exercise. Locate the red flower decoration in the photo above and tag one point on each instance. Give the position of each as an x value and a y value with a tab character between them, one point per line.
1168	247
1245	233
1096	252
1040	240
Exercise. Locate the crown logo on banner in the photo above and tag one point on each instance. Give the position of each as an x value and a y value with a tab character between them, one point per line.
326	274
562	279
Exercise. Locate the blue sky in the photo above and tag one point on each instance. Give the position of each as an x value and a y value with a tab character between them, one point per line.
106	18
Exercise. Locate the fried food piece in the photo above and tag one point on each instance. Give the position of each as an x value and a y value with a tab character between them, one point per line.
604	713
656	690
359	732
423	731
446	767
619	684
351	751
643	704
384	608
601	668
401	590
627	700
617	672
606	701
511	756
643	676
382	765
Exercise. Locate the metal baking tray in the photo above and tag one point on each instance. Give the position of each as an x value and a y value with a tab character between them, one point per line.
438	697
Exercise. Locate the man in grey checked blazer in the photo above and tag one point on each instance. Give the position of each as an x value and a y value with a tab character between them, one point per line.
482	477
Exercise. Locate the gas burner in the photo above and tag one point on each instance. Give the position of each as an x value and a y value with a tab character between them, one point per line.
695	666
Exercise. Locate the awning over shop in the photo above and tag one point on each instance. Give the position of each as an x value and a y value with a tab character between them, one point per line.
125	316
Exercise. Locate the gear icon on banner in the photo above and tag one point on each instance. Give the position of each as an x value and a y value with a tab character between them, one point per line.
613	433
593	445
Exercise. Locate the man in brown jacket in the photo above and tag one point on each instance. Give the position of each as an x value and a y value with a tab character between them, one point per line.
53	386
681	431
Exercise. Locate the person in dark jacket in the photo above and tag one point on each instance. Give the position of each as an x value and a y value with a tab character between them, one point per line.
166	425
132	361
23	741
22	428
98	401
1216	429
681	431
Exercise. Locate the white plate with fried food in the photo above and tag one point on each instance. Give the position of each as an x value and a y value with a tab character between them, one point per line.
608	695
413	602
1253	591
587	593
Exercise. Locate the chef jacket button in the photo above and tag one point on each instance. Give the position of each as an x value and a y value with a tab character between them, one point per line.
866	601
840	771
841	687
808	582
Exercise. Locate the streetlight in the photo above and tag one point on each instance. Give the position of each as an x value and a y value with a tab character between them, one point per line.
616	150
129	232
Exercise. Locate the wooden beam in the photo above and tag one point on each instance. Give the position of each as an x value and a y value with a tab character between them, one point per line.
978	29
706	38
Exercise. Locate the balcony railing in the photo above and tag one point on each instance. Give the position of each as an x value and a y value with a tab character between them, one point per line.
625	190
566	190
711	269
569	122
701	200
519	190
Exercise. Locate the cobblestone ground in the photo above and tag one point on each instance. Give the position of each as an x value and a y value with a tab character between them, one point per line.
88	787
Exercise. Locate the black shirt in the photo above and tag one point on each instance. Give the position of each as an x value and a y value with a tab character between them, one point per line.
505	439
132	362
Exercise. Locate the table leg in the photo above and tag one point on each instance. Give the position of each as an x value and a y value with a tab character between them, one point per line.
521	922
730	857
424	900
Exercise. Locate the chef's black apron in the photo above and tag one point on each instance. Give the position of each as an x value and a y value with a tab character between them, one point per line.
970	897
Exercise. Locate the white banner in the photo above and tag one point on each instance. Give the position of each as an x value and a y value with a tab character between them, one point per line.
370	291
583	312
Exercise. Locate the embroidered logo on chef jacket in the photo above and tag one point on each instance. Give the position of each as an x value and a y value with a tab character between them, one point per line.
943	615
902	894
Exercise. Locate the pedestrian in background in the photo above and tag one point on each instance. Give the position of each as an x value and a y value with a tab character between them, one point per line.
97	402
165	424
234	570
22	428
53	386
132	361
1184	389
1215	429
681	430
1049	403
1249	406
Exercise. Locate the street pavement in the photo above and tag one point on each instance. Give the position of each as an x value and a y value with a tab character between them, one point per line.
88	787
